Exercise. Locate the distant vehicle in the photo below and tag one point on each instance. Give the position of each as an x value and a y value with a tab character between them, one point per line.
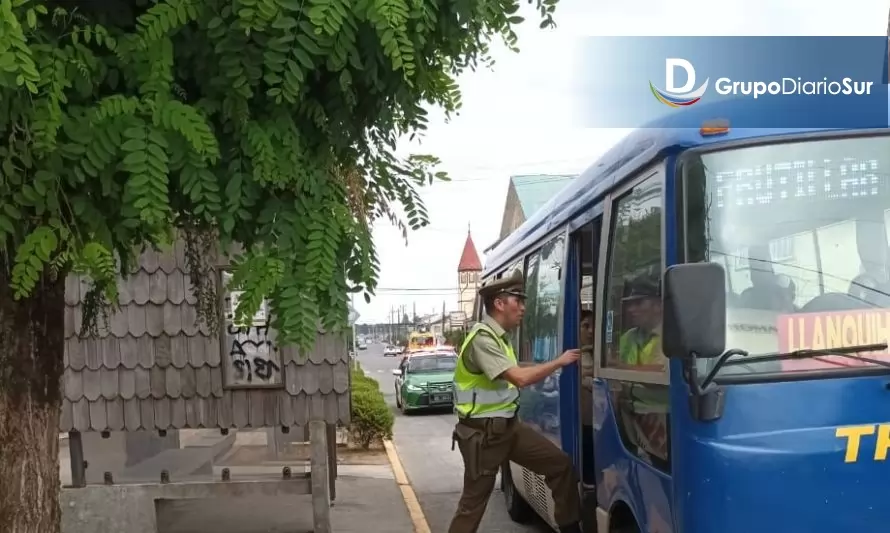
421	341
391	351
362	346
425	381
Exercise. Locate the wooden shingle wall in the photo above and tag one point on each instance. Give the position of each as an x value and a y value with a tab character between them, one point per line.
155	368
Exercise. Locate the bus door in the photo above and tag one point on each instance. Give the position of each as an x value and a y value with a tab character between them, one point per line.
631	394
580	323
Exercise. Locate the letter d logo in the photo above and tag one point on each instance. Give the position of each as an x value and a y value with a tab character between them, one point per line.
672	95
672	63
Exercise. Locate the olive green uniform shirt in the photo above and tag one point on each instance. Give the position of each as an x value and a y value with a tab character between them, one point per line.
484	355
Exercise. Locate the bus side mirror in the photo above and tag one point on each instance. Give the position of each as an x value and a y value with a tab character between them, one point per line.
396	372
694	311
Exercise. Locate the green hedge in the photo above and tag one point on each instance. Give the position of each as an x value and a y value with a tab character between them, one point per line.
360	380
372	419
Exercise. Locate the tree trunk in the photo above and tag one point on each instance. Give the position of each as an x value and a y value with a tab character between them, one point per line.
31	352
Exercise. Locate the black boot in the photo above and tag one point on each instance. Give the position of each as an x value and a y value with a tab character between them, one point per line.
573	528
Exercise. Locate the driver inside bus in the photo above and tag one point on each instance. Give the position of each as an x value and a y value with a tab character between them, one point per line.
640	346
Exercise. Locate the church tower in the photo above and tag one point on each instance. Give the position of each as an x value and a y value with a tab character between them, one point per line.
469	277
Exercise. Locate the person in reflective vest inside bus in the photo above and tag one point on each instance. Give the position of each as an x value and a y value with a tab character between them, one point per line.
486	395
640	346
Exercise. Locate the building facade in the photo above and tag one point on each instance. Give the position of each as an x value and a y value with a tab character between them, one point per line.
155	367
526	194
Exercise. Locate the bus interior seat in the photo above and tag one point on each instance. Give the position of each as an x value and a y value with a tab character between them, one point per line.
768	291
766	296
834	301
868	290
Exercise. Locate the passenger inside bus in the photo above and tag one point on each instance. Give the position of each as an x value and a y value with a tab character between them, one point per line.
768	291
640	345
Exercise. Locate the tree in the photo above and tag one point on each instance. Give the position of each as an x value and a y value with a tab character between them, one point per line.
455	337
268	123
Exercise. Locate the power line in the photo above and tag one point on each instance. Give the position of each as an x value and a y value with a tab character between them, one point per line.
409	295
377	289
416	289
513	170
551	175
548	179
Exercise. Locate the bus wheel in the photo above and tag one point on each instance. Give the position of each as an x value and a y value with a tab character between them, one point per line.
518	509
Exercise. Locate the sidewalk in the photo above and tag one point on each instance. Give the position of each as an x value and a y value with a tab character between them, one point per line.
369	498
372	490
363	505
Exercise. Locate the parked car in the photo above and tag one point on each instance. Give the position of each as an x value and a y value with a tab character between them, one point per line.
425	380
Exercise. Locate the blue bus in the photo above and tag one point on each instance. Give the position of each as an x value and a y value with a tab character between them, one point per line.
729	291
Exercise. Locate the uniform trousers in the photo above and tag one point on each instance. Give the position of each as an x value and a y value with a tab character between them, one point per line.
486	444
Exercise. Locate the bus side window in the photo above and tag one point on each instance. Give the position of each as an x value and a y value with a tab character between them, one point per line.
540	324
632	322
529	320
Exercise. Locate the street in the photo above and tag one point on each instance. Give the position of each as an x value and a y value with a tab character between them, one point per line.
423	442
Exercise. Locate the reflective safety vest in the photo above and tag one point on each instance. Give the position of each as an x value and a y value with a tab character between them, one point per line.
476	396
633	353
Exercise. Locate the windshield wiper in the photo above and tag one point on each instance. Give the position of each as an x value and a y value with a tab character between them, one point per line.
846	351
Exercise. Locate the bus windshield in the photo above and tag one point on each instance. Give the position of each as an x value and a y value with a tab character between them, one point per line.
802	229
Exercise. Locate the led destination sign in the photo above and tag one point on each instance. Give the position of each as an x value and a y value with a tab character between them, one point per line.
799	180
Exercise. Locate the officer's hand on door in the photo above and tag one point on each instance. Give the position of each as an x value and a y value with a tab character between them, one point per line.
568	357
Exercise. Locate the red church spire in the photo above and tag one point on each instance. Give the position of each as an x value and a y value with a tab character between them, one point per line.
469	259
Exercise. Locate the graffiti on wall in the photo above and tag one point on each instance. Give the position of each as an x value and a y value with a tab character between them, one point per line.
250	351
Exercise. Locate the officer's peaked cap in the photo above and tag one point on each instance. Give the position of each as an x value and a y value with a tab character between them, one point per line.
641	287
513	285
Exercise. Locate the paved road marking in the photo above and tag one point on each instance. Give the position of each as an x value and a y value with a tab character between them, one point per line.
414	509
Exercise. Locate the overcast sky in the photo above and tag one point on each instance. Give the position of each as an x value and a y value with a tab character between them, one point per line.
518	120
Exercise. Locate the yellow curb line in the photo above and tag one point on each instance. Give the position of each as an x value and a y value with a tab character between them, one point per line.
414	510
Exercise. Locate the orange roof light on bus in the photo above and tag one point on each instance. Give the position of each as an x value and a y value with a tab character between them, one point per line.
714	127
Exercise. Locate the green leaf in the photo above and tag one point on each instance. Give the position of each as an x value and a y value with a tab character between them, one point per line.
303	58
284	23
8	62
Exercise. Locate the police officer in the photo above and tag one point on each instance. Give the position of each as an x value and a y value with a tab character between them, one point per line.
486	387
640	346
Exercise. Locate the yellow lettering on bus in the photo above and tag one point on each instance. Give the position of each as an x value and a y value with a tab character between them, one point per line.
836	331
853	434
883	443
